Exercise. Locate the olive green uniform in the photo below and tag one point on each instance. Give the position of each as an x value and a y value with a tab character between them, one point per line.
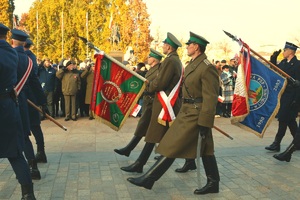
148	97
201	82
169	74
70	85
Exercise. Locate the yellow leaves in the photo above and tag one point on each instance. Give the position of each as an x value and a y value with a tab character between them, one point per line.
55	24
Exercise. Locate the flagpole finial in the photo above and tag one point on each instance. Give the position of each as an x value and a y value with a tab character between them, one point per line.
231	36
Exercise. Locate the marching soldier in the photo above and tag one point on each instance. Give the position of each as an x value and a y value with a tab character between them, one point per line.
167	83
11	134
288	106
154	59
32	83
34	115
200	92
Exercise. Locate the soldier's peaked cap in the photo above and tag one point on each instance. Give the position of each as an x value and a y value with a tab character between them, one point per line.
19	35
28	43
155	54
172	40
3	29
291	46
194	38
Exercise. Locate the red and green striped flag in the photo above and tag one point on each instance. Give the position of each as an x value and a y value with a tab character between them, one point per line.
116	91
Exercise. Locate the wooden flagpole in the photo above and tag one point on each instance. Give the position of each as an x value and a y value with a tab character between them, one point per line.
112	59
46	115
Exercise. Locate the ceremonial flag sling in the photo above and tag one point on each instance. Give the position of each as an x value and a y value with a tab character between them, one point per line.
256	103
116	91
167	113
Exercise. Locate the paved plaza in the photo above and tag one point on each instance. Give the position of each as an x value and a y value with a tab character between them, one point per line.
82	165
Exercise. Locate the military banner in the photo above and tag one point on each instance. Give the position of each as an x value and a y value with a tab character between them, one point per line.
263	96
116	91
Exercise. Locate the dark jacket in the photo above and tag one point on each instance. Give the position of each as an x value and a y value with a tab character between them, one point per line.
11	135
288	105
32	85
47	78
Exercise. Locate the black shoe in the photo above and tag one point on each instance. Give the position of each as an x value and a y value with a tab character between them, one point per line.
27	192
158	157
135	167
41	157
287	154
282	157
67	119
123	152
91	118
210	187
225	115
188	165
275	146
74	119
35	174
34	171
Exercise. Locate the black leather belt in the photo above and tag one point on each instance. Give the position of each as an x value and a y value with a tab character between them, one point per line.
191	101
149	93
9	95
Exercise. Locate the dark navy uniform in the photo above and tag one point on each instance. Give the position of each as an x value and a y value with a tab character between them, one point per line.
288	110
34	115
288	103
11	134
33	84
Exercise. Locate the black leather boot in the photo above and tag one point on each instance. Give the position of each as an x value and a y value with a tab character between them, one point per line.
188	165
212	174
130	146
27	192
34	171
287	154
138	165
153	174
275	146
40	156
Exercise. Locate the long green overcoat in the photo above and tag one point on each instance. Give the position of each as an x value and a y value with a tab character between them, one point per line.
144	121
169	74
201	81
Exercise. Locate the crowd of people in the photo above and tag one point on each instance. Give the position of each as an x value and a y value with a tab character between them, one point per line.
179	106
67	86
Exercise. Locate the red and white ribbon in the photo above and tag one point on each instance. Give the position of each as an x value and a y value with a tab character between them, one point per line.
23	80
167	102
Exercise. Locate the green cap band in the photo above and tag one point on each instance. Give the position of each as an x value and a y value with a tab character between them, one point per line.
155	56
170	42
198	41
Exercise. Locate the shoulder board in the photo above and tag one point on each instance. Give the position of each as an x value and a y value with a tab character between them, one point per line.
207	62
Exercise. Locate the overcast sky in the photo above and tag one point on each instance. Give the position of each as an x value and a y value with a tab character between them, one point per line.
257	22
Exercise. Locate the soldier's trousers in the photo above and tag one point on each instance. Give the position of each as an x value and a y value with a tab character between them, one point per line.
38	134
21	169
28	149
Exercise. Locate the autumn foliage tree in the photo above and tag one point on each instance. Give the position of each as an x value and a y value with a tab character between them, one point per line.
53	26
6	15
